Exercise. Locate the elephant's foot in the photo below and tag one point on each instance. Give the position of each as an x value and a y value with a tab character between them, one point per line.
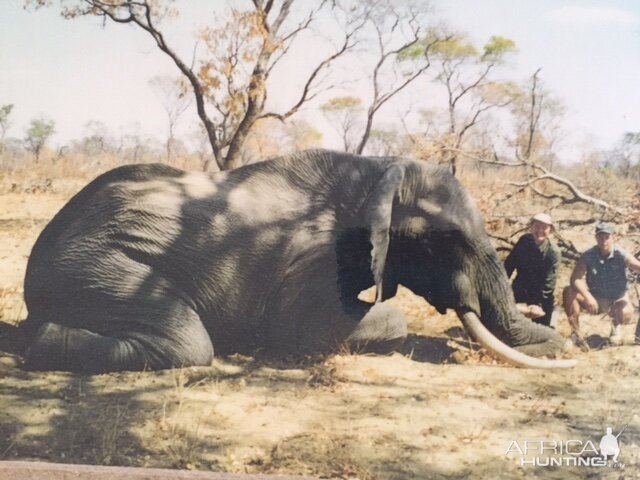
382	330
56	347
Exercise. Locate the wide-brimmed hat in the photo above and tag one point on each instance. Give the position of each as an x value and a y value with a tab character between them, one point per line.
605	228
542	218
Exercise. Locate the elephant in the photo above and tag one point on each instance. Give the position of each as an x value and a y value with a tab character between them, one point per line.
151	267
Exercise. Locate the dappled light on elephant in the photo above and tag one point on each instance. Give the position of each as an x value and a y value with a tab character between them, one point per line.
149	265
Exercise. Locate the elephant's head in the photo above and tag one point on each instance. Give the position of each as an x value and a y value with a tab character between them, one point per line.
428	236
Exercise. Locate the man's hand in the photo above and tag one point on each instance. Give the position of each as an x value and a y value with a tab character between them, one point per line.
591	304
535	311
530	311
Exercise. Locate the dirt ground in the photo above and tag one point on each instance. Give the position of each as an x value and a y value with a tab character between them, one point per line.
439	409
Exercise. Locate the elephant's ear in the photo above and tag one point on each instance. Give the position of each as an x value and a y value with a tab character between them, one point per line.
379	207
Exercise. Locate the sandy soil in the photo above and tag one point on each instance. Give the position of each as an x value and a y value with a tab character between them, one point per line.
439	409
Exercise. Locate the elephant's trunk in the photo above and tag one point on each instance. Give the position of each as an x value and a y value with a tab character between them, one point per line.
500	350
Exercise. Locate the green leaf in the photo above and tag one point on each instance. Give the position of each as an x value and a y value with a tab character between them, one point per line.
341	103
497	47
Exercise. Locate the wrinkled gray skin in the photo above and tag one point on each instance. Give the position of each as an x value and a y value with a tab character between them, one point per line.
149	267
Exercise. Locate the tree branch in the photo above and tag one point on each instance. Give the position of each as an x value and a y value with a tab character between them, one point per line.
306	94
578	195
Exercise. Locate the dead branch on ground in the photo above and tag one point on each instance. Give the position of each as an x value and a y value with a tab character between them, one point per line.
577	196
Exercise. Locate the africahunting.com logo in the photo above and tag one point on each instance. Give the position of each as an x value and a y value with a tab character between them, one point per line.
569	453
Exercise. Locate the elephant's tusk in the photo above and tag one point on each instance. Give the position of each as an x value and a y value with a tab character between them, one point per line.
485	338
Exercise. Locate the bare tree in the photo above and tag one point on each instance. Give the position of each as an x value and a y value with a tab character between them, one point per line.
200	142
344	115
386	142
96	139
625	157
537	118
396	28
175	99
229	84
487	94
465	73
134	146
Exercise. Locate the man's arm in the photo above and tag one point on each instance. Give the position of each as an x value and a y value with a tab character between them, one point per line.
579	283
549	281
511	262
633	263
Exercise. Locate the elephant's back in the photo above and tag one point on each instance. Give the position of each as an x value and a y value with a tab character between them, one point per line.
96	201
78	237
85	202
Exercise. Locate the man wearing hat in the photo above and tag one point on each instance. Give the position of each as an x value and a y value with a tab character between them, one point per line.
599	285
536	259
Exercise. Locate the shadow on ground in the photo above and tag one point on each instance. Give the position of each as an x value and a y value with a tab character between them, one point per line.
428	349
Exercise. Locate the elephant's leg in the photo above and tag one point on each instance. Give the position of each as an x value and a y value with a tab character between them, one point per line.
382	330
535	340
56	347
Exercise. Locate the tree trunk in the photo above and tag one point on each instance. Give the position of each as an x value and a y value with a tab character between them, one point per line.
255	106
367	132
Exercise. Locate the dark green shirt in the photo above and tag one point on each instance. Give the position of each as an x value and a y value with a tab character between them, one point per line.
537	271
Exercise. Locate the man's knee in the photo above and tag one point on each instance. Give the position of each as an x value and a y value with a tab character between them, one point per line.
572	300
622	309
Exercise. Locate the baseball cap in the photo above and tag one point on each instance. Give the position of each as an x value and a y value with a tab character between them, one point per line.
605	228
543	218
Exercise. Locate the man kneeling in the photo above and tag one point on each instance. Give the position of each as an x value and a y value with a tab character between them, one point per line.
605	289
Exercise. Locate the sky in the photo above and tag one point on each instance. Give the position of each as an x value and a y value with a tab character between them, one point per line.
80	70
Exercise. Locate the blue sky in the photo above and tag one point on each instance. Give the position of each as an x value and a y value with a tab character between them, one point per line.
76	71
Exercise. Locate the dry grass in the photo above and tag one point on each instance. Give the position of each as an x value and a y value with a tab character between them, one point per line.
442	410
111	422
180	432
